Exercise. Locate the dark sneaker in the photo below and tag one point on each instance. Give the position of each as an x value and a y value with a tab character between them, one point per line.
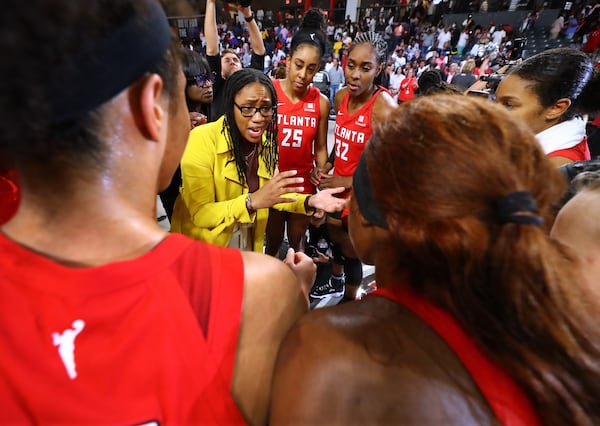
329	293
334	286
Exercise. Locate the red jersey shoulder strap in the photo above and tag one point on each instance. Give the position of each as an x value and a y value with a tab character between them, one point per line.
507	400
578	152
227	268
277	85
368	105
212	278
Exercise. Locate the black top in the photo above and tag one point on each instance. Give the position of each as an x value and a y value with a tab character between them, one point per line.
217	108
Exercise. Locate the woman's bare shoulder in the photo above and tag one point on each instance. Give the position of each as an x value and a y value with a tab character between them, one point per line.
380	363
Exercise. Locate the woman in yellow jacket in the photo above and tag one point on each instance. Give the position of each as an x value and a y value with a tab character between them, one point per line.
229	171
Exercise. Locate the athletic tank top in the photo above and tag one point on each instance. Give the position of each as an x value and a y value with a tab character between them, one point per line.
298	125
151	339
506	399
579	152
351	133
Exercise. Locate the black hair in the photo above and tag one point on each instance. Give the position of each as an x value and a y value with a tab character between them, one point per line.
431	83
310	32
193	64
378	44
562	73
268	150
41	37
374	39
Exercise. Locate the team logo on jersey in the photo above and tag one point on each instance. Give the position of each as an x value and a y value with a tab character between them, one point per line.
309	107
360	121
66	346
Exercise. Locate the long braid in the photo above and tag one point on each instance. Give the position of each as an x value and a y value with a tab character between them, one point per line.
269	149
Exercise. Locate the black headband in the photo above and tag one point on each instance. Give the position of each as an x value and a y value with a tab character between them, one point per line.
99	73
364	195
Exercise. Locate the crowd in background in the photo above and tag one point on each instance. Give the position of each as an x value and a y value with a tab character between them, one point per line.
419	39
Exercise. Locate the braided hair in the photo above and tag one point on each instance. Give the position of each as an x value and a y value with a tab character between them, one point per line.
268	148
374	39
379	45
310	32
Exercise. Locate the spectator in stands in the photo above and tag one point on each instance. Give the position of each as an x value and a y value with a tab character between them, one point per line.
557	27
465	78
336	79
226	63
571	27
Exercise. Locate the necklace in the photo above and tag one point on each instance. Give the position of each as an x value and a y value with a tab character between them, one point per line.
248	157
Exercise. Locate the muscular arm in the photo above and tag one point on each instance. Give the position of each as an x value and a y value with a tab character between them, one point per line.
272	302
210	29
383	107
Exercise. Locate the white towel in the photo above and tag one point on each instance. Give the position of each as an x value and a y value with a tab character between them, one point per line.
562	136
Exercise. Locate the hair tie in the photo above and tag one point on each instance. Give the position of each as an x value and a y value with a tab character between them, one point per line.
510	208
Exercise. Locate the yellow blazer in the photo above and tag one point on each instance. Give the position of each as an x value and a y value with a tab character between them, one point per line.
212	199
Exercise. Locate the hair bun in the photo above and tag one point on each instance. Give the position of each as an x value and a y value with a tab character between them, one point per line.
313	19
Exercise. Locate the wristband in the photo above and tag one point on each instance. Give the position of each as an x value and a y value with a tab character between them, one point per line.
249	204
309	210
249	18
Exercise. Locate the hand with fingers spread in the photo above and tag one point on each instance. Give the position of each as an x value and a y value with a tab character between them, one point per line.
273	191
325	200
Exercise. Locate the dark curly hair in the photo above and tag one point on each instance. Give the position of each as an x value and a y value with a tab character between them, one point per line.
268	150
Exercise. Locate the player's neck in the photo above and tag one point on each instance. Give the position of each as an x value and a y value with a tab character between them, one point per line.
291	94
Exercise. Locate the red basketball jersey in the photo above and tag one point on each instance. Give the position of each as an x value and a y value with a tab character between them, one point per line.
150	340
298	125
351	134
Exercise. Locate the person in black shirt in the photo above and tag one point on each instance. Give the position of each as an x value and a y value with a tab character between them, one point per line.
226	63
